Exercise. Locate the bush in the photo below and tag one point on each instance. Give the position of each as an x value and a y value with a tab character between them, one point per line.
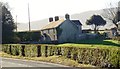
95	56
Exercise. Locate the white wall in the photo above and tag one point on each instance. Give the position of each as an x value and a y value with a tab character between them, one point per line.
69	31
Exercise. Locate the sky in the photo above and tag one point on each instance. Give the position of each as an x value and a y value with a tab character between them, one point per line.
41	9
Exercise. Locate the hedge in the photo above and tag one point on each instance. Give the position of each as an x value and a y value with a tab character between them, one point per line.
108	57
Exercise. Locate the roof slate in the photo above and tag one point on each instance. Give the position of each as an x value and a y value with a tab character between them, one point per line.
76	22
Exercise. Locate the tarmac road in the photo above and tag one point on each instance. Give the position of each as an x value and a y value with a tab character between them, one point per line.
9	62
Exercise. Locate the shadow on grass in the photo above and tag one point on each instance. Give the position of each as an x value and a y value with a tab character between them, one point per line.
98	42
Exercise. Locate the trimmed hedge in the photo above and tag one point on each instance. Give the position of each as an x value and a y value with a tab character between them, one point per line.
109	57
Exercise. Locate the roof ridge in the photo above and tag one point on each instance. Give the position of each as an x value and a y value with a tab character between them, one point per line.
53	24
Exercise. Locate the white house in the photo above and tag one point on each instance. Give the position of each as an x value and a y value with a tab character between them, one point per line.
61	30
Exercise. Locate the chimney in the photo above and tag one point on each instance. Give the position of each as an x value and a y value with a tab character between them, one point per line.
50	19
56	18
67	16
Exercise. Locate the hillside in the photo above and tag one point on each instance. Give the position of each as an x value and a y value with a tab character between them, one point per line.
37	25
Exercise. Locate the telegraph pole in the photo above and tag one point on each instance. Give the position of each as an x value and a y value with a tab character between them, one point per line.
29	17
29	22
118	10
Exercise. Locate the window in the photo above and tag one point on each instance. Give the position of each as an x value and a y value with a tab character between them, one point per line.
54	31
54	37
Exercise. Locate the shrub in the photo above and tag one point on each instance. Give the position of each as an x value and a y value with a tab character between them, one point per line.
95	56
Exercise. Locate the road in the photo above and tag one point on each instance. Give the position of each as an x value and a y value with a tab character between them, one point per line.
9	62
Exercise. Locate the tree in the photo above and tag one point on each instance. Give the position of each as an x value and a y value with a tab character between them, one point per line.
8	25
0	23
113	14
96	21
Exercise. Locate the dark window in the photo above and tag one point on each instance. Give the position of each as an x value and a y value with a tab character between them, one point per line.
54	37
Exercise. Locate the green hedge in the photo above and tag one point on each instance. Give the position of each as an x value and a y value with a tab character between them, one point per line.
94	56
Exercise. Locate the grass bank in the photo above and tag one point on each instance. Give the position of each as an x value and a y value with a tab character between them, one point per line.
52	59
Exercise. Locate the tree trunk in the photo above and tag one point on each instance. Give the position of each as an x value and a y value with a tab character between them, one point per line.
95	29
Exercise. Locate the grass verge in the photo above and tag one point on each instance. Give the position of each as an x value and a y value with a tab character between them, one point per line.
52	59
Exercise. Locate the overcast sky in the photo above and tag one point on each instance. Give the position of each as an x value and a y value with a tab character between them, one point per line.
41	9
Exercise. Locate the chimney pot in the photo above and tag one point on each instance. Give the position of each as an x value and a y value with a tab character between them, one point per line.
67	16
56	18
50	19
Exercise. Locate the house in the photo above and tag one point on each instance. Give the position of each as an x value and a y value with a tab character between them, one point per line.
110	33
113	31
118	28
61	30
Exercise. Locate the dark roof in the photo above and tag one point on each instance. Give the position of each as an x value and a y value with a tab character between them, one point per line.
114	28
77	22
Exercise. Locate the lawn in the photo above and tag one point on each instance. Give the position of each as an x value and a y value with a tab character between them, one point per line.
94	44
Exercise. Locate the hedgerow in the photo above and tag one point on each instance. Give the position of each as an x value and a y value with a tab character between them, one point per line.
103	57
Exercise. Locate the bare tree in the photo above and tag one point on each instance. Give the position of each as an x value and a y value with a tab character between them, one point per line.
112	14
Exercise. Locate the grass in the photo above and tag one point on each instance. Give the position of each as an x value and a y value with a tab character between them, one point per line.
100	42
93	44
113	41
87	46
53	59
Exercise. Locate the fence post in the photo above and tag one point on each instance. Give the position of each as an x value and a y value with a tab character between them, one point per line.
10	51
23	50
50	51
38	51
59	51
46	47
69	54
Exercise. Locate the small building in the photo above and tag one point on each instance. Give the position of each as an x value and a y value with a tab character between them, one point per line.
110	33
118	28
61	30
118	25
